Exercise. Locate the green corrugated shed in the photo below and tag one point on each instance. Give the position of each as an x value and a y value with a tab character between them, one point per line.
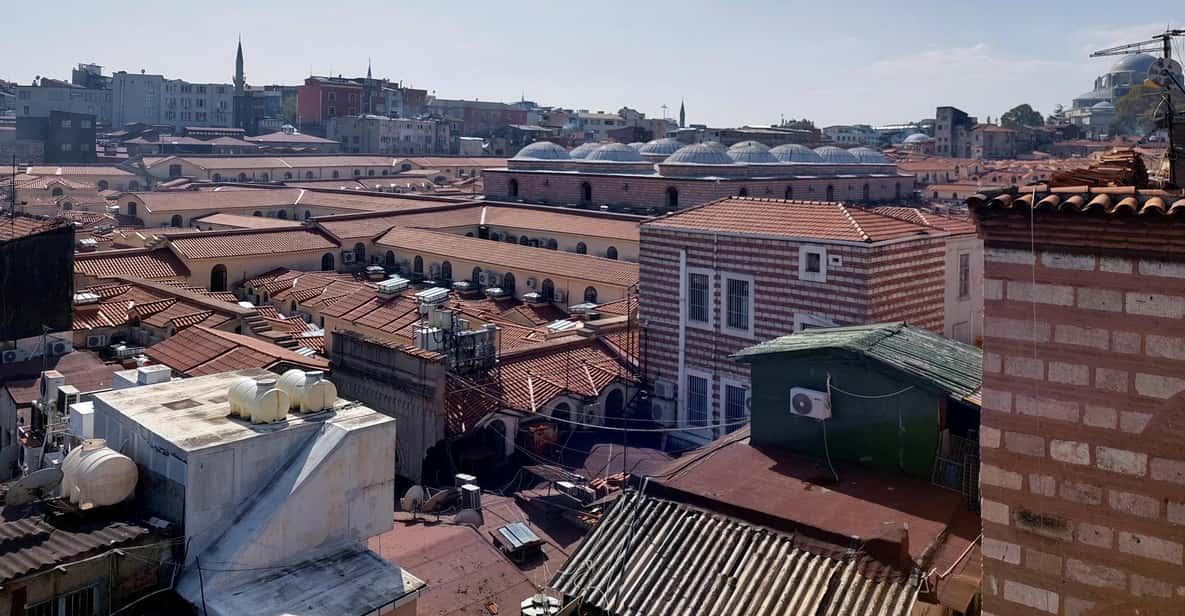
923	356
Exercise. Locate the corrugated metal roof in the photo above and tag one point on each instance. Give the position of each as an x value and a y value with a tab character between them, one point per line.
653	557
949	365
30	543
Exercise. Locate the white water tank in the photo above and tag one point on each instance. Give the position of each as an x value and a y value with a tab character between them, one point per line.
308	391
94	475
258	401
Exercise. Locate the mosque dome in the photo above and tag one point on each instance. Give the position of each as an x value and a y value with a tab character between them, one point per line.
700	154
1103	106
868	156
542	150
917	138
1139	63
615	152
637	145
795	153
752	152
582	151
834	155
663	147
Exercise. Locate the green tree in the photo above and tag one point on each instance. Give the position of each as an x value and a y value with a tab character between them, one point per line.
1136	111
288	110
1020	116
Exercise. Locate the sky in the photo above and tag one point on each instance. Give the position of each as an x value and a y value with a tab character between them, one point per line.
733	63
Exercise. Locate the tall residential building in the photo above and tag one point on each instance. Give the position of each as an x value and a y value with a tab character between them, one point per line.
372	134
46	95
153	99
323	98
952	132
477	118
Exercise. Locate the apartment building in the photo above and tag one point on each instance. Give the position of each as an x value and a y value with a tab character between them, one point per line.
376	134
154	99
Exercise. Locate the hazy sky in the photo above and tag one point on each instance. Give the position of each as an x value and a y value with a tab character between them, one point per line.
738	62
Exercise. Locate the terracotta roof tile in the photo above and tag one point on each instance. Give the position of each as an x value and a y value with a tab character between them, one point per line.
248	222
562	220
1098	201
216	245
512	257
930	219
138	263
200	350
79	170
790	219
12	227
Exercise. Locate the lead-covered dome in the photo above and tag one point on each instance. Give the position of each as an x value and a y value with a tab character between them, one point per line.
834	155
542	150
700	154
795	153
752	152
868	156
582	151
917	138
1139	63
615	152
663	147
637	145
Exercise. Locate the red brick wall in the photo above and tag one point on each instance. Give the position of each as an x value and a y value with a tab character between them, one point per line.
563	188
1083	434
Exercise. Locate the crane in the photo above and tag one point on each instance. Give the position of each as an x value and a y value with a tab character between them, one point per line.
1162	43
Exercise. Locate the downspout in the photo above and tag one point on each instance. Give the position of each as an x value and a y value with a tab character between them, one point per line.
679	386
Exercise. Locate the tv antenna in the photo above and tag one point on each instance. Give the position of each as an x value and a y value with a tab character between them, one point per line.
1160	74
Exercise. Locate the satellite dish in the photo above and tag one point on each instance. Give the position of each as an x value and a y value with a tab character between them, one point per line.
34	486
438	500
468	516
413	499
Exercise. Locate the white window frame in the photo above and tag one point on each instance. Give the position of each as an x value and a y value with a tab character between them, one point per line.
709	301
724	307
803	274
802	319
725	383
685	398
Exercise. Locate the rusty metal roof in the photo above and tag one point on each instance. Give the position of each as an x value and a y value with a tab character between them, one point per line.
29	542
654	557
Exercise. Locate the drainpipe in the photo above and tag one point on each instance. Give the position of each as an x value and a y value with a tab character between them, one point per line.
679	386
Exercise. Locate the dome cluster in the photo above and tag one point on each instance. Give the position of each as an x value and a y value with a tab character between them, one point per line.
674	152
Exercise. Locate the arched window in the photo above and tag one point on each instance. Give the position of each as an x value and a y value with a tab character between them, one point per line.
563	413
611	252
405	167
357	173
56	192
508	283
511	239
585	192
552	244
327	262
743	192
417	265
217	177
282	214
830	193
370	172
524	241
336	174
386	172
103	185
308	214
133	185
590	295
265	177
242	177
360	252
513	188
867	193
614	405
67	206
476	275
547	289
469	234
131	208
389	259
581	248
176	221
672	197
308	175
218	278
292	308
257	213
446	270
789	194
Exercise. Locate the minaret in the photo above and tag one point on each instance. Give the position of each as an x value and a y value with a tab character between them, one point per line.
682	115
240	78
368	74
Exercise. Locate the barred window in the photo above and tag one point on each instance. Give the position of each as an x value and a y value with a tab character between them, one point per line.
738	304
697	400
697	297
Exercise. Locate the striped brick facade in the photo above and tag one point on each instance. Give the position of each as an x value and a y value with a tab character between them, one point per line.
889	281
1083	426
640	191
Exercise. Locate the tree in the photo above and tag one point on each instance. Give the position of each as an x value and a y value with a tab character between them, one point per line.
1021	116
288	110
1136	111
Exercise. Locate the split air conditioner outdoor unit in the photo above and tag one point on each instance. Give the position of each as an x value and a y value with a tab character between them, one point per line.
662	411
348	256
59	348
483	279
531	282
810	403
664	389
95	341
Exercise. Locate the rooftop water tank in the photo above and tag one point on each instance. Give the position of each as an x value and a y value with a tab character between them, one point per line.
259	401
94	475
308	391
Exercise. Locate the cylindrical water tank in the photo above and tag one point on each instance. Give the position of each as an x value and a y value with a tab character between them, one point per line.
308	391
258	401
94	475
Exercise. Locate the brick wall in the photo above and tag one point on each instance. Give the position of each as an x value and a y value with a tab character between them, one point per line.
1083	476
564	188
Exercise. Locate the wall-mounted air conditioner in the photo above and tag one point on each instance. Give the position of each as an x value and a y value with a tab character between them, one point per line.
95	341
810	403
664	389
531	282
348	256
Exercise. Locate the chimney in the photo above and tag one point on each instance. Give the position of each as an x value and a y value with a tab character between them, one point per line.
471	497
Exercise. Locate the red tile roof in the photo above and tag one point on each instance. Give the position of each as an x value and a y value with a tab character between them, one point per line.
248	222
790	219
137	262
512	257
927	218
218	244
200	350
1097	201
562	220
13	227
79	170
82	369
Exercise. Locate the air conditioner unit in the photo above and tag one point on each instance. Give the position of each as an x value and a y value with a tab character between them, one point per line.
559	296
810	403
59	348
95	341
531	282
348	256
493	279
483	279
662	411
12	356
664	389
